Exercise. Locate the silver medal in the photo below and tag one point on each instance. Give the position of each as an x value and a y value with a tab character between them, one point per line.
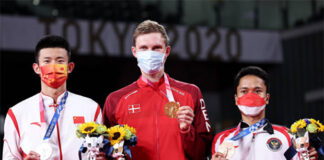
44	150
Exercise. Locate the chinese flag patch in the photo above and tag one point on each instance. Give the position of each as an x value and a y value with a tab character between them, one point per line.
78	119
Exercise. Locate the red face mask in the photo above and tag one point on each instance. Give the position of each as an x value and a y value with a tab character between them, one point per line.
54	75
251	104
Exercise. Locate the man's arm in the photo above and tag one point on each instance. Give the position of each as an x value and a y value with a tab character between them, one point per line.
197	140
109	110
98	115
11	138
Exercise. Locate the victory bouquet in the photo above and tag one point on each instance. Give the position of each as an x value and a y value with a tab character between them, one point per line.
121	137
114	141
94	139
305	132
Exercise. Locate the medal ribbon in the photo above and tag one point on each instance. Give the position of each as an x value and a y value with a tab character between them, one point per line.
247	131
55	117
169	94
168	89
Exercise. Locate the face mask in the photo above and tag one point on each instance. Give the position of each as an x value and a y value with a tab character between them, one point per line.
150	61
54	75
251	104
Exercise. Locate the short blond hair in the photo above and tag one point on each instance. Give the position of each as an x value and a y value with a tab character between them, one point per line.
149	26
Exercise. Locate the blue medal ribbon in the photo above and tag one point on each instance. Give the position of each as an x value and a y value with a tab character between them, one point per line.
55	118
247	131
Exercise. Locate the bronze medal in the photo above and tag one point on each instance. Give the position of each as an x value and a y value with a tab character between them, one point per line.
171	109
228	149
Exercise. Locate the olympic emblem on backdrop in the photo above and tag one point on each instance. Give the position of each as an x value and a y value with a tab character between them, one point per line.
274	144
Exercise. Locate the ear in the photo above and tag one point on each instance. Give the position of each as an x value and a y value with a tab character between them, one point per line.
70	67
235	97
134	51
36	68
267	98
167	52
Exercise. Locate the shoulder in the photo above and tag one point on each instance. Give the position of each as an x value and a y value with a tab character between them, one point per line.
219	138
21	106
280	128
85	101
188	87
224	133
181	84
283	131
116	95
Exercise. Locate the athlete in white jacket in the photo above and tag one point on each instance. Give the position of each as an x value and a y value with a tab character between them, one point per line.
27	122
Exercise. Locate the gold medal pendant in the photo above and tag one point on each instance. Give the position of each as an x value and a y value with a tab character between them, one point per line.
228	149
171	109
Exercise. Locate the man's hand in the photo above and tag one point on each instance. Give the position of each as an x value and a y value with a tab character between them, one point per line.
218	156
32	156
101	156
185	117
312	153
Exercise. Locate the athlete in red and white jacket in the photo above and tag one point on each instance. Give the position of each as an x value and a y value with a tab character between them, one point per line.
24	130
159	137
142	104
255	137
268	142
26	123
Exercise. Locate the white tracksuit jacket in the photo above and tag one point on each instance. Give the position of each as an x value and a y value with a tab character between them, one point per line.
24	131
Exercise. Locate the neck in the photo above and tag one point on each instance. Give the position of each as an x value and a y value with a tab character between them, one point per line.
53	92
153	77
250	120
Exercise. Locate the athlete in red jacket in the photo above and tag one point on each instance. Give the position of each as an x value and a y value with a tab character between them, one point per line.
170	116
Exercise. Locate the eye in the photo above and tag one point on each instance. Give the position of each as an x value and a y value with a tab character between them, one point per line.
244	91
143	48
258	91
89	145
97	144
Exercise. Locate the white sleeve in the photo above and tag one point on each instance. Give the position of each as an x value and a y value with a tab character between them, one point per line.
98	117
11	139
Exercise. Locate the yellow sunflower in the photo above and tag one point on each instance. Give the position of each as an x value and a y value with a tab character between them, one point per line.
88	128
133	130
299	124
319	126
312	120
116	134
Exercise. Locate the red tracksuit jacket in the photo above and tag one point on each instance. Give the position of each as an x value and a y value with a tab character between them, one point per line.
159	138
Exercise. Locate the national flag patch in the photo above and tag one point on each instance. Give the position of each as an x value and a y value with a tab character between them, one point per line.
78	119
134	108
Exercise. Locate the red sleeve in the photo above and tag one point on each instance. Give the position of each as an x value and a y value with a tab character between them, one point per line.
111	104
214	143
197	142
216	138
109	111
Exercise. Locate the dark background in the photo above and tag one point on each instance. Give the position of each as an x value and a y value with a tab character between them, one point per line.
301	72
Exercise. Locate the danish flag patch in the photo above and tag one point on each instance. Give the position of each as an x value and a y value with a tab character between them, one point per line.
134	108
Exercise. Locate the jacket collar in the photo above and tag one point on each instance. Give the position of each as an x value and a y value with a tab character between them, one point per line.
142	83
268	126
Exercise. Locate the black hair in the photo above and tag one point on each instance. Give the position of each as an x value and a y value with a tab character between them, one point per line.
52	41
252	70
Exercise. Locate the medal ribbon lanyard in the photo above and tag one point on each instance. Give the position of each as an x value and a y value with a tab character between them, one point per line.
169	94
55	117
247	131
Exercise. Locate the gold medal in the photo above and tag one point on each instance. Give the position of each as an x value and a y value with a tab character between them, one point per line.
171	109
228	149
